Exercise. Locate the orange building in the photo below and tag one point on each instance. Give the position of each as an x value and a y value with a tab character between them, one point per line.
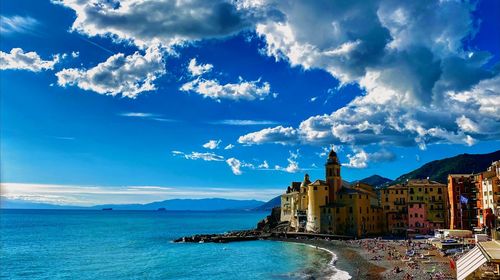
462	197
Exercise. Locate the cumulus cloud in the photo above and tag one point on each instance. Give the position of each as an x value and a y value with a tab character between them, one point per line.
198	155
408	57
279	134
198	69
419	82
167	22
243	90
17	24
17	59
360	158
212	144
123	75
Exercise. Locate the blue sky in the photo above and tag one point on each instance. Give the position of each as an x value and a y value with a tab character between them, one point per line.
218	98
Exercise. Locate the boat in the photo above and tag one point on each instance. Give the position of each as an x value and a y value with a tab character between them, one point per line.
107	209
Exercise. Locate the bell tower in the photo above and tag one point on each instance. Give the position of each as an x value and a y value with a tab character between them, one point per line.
333	179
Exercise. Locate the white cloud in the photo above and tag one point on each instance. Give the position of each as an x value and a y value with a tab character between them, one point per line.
409	60
119	74
229	147
279	134
243	90
293	164
94	195
17	59
17	24
198	155
244	122
235	165
167	22
138	115
198	69
264	165
212	144
360	158
146	116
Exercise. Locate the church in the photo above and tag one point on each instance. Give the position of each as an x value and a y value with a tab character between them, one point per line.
332	206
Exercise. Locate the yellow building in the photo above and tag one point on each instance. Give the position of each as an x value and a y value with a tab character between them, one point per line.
395	209
417	206
331	205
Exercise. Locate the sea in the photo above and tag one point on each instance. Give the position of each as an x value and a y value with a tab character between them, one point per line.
84	244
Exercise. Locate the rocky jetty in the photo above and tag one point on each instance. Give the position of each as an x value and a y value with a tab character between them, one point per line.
263	231
242	235
268	228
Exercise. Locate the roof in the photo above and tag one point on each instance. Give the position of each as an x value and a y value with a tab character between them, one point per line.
319	182
491	249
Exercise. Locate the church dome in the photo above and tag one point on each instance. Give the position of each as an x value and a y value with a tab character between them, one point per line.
332	157
306	181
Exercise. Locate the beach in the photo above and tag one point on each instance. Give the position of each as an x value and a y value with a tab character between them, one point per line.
384	259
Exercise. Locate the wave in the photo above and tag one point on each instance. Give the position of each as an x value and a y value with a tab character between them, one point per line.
328	271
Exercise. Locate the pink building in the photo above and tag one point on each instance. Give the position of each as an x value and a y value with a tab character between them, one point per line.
417	219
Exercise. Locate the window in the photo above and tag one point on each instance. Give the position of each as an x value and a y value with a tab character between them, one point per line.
326	188
411	216
419	189
440	191
350	210
411	205
337	210
432	190
350	196
360	210
419	205
386	199
411	197
315	188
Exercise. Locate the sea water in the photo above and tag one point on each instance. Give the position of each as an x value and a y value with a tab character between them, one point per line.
73	244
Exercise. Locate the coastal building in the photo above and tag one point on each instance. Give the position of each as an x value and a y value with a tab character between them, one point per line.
490	189
332	205
395	209
462	196
427	209
480	199
416	206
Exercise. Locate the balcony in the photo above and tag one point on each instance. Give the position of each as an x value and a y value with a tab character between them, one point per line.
399	202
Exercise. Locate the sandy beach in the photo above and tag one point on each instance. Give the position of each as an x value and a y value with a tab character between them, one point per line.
385	259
